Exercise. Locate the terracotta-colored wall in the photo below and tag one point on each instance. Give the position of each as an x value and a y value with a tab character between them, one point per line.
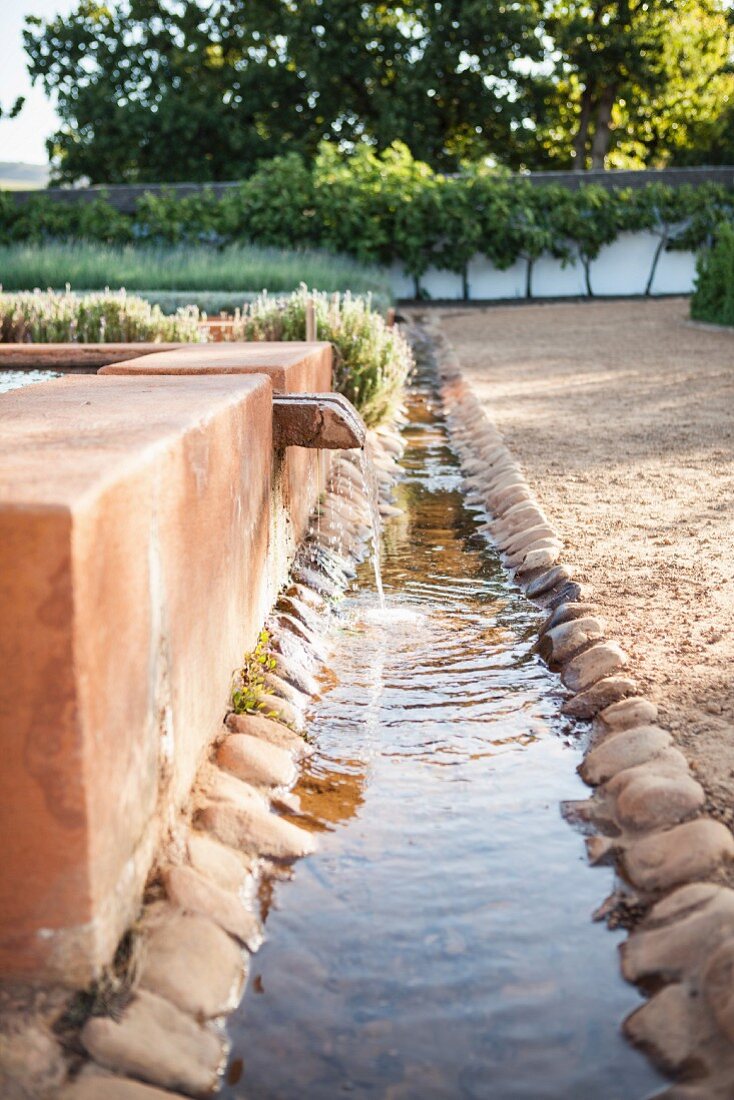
135	569
86	358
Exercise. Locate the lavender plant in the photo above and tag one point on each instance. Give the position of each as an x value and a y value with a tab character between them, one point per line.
372	361
106	317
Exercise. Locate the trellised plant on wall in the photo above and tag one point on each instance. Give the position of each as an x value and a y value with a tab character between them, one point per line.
390	208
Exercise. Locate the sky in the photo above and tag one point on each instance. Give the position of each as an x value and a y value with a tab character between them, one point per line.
23	138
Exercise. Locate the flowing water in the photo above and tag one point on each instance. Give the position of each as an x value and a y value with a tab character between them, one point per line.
373	496
440	942
16	379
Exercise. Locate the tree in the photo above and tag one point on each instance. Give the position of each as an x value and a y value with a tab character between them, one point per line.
632	78
151	90
177	89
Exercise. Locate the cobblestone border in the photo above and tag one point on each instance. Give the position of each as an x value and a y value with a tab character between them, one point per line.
646	809
161	1031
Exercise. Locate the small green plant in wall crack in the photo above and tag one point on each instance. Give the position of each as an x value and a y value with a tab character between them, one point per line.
248	697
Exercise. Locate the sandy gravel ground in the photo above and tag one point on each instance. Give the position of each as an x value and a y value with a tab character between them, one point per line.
622	415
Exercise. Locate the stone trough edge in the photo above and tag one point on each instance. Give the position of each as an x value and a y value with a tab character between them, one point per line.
191	945
646	808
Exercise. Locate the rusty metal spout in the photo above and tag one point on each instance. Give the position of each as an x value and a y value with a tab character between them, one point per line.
321	420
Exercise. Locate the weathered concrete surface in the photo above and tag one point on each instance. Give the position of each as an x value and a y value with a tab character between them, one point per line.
293	367
134	529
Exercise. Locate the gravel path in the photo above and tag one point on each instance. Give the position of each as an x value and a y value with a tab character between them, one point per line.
622	415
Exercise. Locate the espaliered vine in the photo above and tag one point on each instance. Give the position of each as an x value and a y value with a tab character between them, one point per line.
390	208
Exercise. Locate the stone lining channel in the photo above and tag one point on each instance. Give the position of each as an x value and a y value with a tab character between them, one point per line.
439	942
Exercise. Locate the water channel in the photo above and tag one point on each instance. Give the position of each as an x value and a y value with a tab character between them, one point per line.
440	943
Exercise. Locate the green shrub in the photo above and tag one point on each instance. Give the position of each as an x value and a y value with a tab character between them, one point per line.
48	317
713	296
372	361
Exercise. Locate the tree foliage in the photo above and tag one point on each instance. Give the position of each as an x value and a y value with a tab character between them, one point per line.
166	90
157	90
631	79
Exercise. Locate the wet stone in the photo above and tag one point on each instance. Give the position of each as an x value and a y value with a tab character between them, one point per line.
105	1086
709	1089
718	987
277	686
512	561
257	831
623	750
636	711
560	643
289	622
154	1040
681	854
557	575
652	801
318	582
508	498
679	933
256	761
505	498
523	538
668	764
685	901
600	695
194	893
663	1027
593	665
275	733
306	595
572	592
565	613
300	611
520	516
216	785
191	961
296	675
219	864
506	479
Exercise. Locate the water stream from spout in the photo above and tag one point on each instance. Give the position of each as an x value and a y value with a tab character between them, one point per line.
369	476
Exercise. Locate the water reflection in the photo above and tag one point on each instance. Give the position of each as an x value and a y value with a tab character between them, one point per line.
331	791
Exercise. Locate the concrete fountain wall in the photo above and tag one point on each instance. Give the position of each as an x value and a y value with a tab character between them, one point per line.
146	523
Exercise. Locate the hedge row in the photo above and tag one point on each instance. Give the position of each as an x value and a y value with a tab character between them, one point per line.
387	208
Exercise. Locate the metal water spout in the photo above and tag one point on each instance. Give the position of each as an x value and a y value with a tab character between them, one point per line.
322	420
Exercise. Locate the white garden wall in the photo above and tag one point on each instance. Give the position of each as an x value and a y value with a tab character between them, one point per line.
622	268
